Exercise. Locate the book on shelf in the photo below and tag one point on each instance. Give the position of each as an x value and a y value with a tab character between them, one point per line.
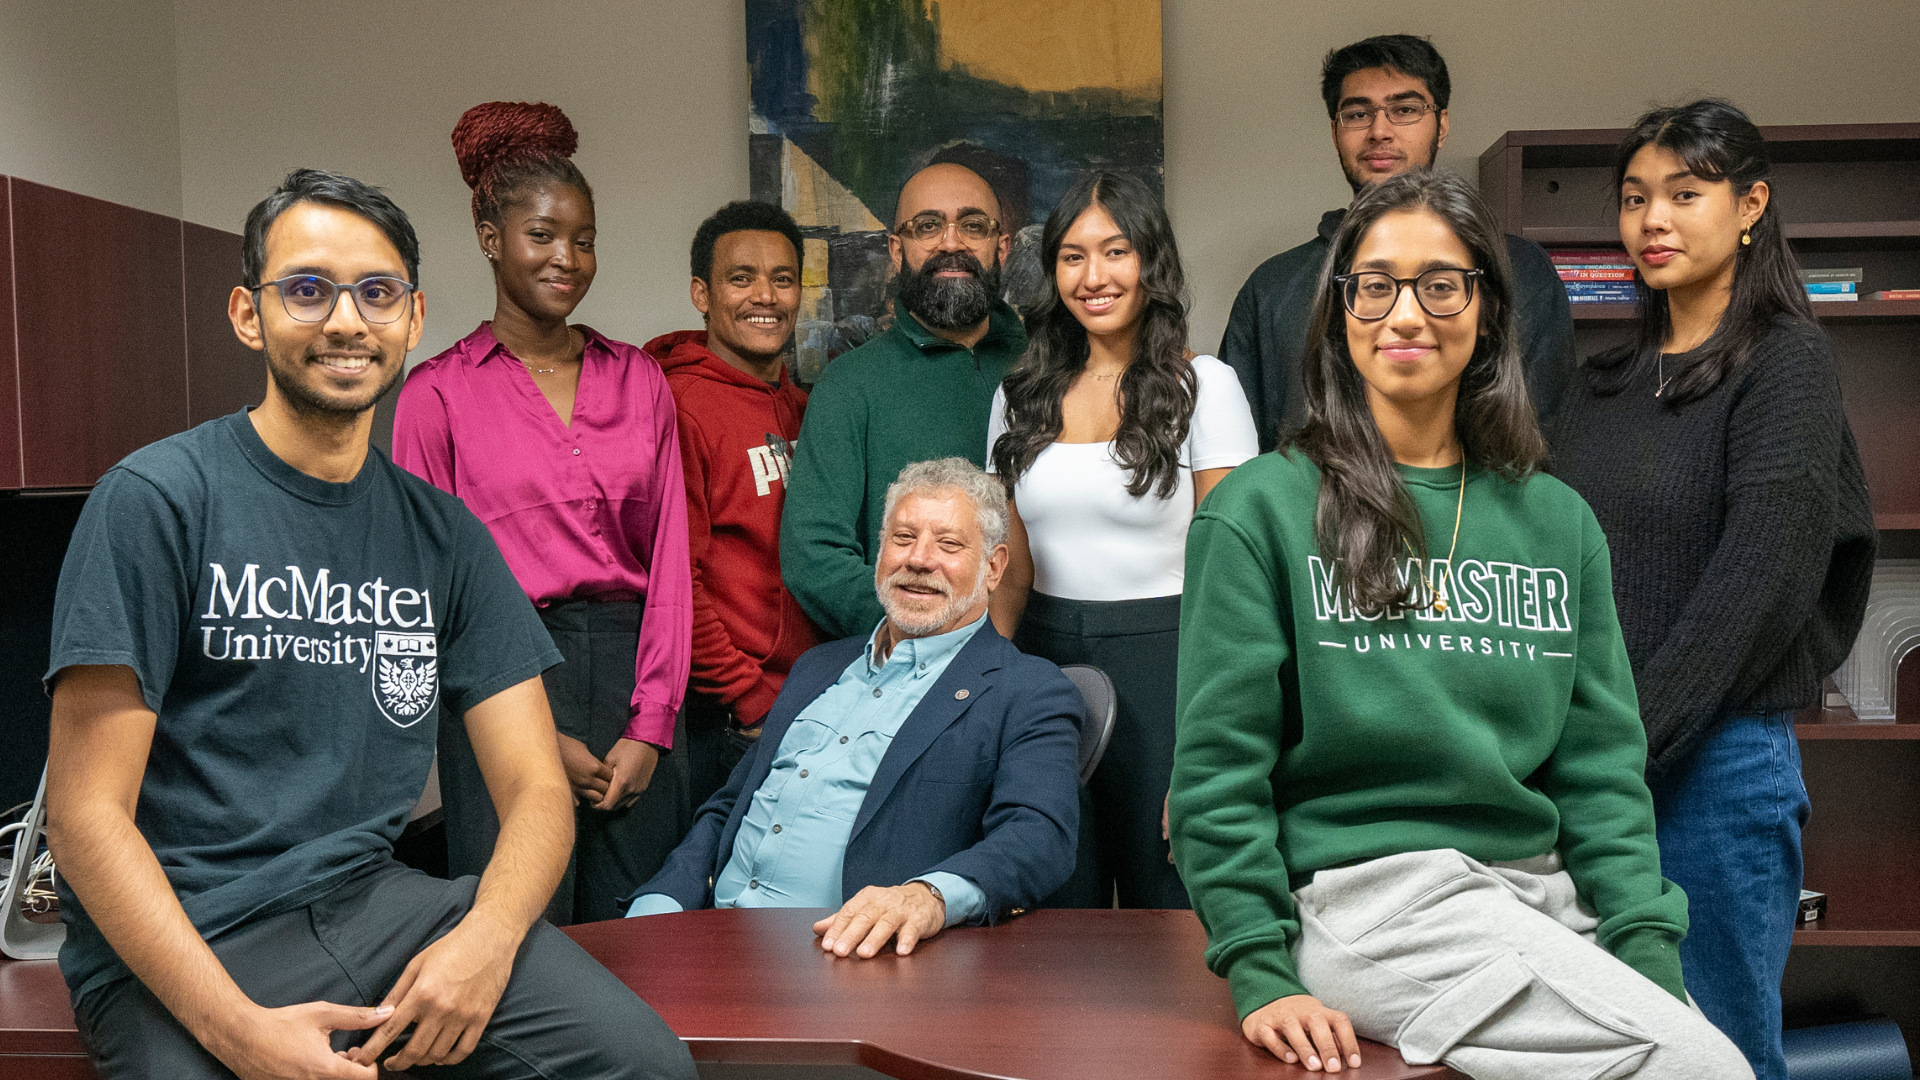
1603	256
1811	274
1610	273
1896	294
1828	297
1815	288
1597	298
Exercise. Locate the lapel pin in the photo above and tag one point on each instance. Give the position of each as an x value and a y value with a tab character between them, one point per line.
959	695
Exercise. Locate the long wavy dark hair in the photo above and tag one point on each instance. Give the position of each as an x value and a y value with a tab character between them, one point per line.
1366	518
1156	392
1719	144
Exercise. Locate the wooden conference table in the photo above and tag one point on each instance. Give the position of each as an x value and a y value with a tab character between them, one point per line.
1055	995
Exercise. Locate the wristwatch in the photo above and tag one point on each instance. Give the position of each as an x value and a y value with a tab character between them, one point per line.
937	894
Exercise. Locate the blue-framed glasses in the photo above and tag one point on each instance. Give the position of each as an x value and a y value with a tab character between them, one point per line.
309	298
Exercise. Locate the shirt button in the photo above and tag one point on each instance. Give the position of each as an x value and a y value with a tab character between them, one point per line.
843	738
876	691
754	884
576	451
776	828
803	774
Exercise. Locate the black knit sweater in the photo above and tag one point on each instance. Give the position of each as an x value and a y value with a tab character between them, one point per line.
1741	536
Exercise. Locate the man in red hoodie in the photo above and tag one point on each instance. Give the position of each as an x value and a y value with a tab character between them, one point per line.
739	413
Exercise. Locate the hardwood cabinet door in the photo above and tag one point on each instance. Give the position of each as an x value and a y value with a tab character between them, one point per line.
100	323
222	374
10	475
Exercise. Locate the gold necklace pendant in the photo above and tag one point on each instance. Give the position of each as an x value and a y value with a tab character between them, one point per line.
1439	595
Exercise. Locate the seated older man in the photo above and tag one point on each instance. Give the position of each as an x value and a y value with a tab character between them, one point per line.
919	777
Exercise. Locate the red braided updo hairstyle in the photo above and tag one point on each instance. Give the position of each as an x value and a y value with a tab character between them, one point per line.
507	147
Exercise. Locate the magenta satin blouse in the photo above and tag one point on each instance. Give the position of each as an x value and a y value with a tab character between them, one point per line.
592	511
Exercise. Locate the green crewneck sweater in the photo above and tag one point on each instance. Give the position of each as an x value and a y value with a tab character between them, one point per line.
1310	736
903	397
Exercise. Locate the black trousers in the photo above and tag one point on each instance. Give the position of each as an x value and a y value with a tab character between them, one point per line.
614	851
715	744
562	1015
1137	643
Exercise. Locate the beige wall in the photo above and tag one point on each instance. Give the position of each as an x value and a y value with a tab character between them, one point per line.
658	91
87	99
1250	161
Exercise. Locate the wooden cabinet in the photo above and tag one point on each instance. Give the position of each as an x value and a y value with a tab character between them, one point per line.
1849	195
222	374
113	333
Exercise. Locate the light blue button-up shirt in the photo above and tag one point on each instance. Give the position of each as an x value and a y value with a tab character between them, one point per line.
793	842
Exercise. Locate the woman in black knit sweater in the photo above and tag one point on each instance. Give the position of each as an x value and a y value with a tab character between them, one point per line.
1717	457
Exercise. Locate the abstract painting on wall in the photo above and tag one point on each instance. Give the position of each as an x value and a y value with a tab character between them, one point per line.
851	97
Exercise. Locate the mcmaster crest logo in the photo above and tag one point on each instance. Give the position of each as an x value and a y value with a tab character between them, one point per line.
406	676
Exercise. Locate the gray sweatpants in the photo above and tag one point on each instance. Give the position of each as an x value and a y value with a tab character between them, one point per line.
1493	970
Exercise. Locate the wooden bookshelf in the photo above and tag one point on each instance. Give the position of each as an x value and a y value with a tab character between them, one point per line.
1850	196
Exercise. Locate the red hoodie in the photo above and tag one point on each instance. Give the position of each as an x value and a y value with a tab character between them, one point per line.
747	629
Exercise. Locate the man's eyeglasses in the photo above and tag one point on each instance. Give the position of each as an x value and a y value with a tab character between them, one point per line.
930	229
1442	291
1399	113
310	299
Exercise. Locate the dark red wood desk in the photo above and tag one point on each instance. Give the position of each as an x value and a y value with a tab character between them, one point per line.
1055	995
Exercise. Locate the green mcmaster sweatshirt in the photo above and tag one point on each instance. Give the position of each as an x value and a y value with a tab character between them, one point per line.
903	397
1311	736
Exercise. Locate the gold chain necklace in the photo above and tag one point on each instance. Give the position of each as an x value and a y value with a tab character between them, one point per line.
1440	595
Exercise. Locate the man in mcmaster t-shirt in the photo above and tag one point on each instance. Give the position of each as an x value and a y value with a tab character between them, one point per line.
259	627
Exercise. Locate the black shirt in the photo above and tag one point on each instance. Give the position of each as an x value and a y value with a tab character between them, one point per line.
1742	539
1267	332
298	641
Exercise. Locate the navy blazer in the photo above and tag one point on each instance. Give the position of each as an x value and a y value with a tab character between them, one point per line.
983	784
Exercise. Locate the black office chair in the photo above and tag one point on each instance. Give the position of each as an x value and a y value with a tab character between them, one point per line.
1102	706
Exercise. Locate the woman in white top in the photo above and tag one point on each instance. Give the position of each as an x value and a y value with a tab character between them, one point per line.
1108	433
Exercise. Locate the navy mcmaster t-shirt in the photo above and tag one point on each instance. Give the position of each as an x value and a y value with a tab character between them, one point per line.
299	641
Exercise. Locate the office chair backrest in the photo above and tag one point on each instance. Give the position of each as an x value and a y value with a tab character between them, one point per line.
20	937
1102	706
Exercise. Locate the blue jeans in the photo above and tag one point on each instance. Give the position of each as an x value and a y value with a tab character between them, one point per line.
1729	820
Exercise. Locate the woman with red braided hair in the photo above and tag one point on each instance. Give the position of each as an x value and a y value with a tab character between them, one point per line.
563	441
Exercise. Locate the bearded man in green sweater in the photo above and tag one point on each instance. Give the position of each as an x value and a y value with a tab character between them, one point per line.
922	390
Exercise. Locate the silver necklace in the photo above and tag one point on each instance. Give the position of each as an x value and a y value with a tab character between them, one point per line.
1660	369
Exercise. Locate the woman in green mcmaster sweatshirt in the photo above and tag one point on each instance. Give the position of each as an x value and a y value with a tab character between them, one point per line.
1407	792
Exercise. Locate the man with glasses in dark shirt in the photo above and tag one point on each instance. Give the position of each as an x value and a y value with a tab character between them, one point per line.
259	625
922	390
1387	100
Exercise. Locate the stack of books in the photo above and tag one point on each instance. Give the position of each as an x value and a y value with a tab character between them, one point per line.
1832	282
1597	276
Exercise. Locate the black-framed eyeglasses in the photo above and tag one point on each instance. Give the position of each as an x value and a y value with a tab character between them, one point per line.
1399	113
1441	291
930	229
309	298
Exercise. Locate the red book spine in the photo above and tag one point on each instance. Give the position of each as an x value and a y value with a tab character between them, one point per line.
1587	255
1897	294
1622	274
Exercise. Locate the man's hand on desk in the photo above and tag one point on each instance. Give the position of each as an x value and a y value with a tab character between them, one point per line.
862	926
